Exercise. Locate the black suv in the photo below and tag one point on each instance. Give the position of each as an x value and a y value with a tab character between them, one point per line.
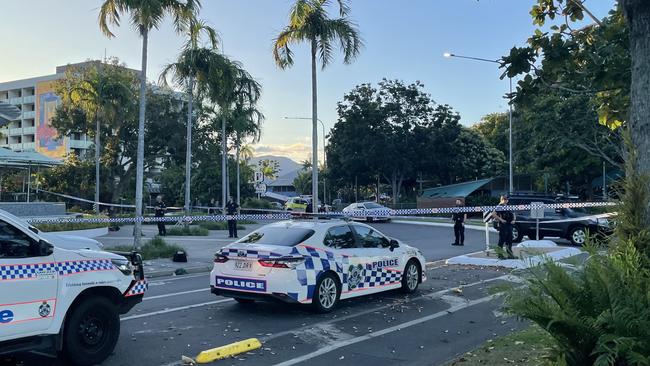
570	224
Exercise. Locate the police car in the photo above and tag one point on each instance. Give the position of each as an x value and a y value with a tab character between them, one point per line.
61	299
315	262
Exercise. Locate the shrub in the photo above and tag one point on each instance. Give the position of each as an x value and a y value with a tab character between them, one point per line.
219	225
69	226
157	247
256	203
187	231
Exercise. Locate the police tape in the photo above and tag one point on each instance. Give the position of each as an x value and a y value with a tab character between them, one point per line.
284	215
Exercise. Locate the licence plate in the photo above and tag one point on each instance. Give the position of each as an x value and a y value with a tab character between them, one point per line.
243	265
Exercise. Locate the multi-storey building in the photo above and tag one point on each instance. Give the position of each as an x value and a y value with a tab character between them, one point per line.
32	131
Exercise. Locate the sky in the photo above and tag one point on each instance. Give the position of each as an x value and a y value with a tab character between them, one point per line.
402	40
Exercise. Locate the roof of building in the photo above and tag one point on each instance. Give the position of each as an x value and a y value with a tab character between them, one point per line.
455	190
285	180
25	158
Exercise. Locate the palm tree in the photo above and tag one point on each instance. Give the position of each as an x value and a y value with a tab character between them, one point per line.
309	22
185	70
246	123
145	15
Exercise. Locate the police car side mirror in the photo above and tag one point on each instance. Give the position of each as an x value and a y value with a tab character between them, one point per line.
393	244
44	249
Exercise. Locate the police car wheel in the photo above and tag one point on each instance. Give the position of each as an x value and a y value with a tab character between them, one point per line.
244	301
326	293
411	277
91	331
578	235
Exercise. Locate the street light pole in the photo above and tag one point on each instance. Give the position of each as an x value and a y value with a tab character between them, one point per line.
324	153
510	168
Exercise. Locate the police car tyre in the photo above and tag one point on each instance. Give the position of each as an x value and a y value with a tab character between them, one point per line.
411	277
91	331
517	234
326	293
578	235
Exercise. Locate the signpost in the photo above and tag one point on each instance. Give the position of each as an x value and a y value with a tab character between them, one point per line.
537	212
260	188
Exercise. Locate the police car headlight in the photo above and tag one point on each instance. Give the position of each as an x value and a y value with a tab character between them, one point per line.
123	265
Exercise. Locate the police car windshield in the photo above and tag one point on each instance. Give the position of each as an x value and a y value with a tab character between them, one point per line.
282	236
373	205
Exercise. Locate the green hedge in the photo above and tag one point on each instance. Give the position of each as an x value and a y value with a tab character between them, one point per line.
69	226
187	231
154	248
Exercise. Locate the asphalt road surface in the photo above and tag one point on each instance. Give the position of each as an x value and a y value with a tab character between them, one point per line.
179	316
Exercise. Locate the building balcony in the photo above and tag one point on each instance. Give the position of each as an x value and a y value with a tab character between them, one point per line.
29	99
29	130
79	144
24	146
15	100
29	114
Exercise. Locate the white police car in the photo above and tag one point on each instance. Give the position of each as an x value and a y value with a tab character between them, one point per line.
315	262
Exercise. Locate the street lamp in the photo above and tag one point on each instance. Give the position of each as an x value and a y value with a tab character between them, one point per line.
510	185
314	160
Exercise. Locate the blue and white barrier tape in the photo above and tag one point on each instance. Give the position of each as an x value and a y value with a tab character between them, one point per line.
275	215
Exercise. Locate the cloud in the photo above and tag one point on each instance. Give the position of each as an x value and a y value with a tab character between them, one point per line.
297	151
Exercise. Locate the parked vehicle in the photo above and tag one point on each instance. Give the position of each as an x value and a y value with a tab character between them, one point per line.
315	262
65	300
566	223
368	211
297	204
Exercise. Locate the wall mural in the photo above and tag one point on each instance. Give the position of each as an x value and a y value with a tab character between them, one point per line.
47	139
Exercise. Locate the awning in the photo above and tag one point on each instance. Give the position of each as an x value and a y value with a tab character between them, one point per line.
25	158
8	112
458	190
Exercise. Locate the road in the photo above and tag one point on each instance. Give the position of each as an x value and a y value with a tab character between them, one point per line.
179	316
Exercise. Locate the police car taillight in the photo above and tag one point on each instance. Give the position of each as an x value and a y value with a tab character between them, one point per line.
281	263
219	258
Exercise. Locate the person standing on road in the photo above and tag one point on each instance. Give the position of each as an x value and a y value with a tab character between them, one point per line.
160	209
232	208
459	219
506	220
212	206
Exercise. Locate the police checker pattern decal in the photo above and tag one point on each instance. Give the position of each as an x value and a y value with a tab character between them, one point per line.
138	288
27	311
355	276
28	271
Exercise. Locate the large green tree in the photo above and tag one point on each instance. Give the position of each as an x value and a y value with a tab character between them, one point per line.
309	22
145	15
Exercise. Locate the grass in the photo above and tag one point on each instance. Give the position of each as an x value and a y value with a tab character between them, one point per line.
187	231
527	347
154	248
219	225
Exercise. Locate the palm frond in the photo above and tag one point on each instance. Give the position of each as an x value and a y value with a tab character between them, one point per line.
282	54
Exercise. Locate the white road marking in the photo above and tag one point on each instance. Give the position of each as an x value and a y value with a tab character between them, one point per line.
183	277
170	310
348	342
206	290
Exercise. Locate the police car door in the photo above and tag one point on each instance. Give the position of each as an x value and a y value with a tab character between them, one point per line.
381	267
28	283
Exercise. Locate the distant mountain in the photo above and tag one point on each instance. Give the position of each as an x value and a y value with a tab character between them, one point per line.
286	165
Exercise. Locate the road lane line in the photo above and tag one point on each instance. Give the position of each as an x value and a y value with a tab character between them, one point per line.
181	277
385	331
206	290
170	310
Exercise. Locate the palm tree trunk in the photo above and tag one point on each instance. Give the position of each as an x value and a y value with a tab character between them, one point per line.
238	178
139	176
188	151
314	130
224	167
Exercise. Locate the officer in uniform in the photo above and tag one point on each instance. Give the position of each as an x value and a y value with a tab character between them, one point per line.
459	219
505	219
232	208
160	209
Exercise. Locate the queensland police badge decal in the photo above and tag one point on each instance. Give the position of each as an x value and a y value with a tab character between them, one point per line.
44	309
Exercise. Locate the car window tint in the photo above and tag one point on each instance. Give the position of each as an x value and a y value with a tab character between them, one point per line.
14	243
373	205
339	237
274	235
369	238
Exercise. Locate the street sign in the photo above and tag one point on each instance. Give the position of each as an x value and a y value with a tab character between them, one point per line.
260	188
537	212
259	177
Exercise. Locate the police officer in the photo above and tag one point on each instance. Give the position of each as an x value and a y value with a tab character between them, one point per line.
160	209
232	208
506	220
459	219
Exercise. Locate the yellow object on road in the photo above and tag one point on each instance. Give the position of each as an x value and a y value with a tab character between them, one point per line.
228	350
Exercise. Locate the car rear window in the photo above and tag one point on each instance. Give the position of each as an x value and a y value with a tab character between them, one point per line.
282	236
